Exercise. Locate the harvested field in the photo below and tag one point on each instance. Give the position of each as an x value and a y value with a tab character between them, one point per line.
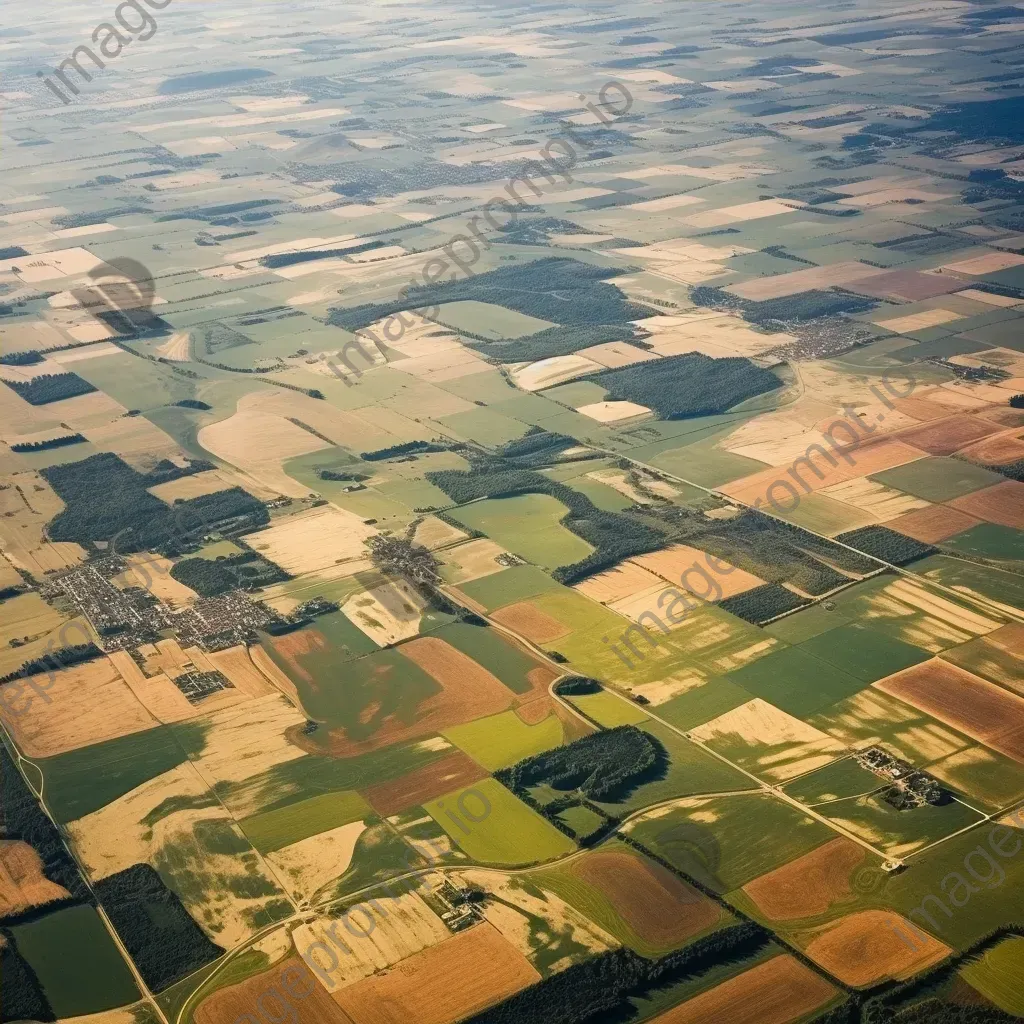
434	533
388	613
919	321
988	263
473	560
943	437
777	991
625	580
614	354
557	370
22	882
613	412
153	573
909	285
312	863
809	885
265	664
812	278
764	739
313	540
997	449
452	980
403	925
292	976
454	771
238	666
660	908
195	486
84	704
979	709
886	454
531	622
1003	504
865	948
679	562
738	214
933	524
884	503
1010	638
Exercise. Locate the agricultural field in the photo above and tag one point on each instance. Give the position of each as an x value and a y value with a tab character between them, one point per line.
543	482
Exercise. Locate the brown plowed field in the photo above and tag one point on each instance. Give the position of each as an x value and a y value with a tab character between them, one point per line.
921	408
1003	504
530	622
1009	638
776	992
454	979
289	991
911	285
809	885
865	948
997	450
22	882
930	525
452	772
540	678
978	708
660	908
293	645
943	437
535	711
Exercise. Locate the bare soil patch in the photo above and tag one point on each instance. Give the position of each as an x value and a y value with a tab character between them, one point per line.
980	709
809	885
997	449
1003	504
777	991
659	907
933	524
865	948
454	979
452	772
531	622
943	437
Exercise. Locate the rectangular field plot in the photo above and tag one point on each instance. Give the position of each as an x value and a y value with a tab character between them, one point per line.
509	586
862	652
986	779
728	841
502	740
520	671
608	710
508	833
273	830
937	478
839	780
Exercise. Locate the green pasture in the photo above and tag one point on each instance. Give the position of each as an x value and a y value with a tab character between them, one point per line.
938	478
700	704
998	974
986	581
608	710
863	652
836	781
510	586
989	540
501	740
273	830
488	320
986	778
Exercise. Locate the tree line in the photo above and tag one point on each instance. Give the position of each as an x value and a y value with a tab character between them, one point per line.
50	387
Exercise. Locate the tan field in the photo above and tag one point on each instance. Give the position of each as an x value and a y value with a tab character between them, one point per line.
313	540
617	353
22	882
152	572
809	885
785	746
27	504
125	833
713	334
989	263
268	667
997	449
240	669
309	865
557	370
86	704
777	991
948	435
434	533
919	321
258	443
693	567
474	559
244	741
530	622
623	581
388	613
454	979
1002	504
177	347
738	214
865	948
881	502
208	482
781	285
613	412
402	926
27	617
164	701
140	443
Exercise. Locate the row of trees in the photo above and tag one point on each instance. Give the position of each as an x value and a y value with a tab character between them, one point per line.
50	387
63	657
54	442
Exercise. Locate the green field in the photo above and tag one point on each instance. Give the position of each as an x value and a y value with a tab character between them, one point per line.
989	540
836	781
509	834
510	586
863	652
700	704
988	660
487	647
501	740
78	966
608	710
996	584
985	777
528	525
273	830
727	841
796	681
84	780
821	514
582	820
488	320
998	974
938	478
